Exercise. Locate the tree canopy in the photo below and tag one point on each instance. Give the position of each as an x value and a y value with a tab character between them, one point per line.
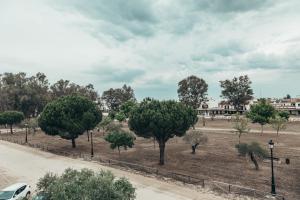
127	107
237	91
192	91
85	184
119	139
11	118
261	113
162	120
69	117
114	98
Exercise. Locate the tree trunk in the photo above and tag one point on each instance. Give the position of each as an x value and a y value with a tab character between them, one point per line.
277	135
239	138
162	153
73	143
119	151
11	130
194	147
262	129
88	135
154	142
252	157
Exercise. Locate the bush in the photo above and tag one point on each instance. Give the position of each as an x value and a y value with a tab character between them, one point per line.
85	184
119	139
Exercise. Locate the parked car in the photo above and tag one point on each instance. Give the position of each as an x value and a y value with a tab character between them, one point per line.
15	192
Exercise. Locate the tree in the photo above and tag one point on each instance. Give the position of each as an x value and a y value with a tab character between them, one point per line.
162	120
192	91
114	98
278	123
284	114
237	91
104	123
195	138
65	117
90	120
120	116
253	151
119	139
85	184
261	113
240	124
11	118
127	107
65	87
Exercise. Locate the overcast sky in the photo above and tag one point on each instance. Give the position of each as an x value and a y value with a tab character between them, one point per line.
153	44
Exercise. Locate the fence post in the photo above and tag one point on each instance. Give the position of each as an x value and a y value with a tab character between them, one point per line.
229	188
203	185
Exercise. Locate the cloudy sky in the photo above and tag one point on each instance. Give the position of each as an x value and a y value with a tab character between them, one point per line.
153	44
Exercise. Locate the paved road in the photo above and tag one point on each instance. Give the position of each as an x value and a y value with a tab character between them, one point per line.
24	164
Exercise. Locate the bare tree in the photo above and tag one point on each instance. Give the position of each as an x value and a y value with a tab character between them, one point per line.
240	124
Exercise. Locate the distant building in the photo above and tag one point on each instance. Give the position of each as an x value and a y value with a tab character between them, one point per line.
292	106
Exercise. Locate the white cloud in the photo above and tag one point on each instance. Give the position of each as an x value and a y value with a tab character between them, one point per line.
152	44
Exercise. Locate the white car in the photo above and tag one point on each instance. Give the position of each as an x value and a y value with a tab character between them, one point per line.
15	192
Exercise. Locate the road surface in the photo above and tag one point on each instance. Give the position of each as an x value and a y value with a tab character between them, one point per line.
24	164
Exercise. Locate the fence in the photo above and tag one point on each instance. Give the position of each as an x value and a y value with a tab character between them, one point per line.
216	186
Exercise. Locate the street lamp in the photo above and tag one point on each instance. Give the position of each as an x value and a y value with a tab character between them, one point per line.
26	127
92	145
273	189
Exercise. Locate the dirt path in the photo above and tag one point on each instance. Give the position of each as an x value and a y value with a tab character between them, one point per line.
231	130
20	163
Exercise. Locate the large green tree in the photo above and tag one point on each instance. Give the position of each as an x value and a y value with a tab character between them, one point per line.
66	117
237	91
261	113
85	185
114	98
162	120
192	91
10	118
127	107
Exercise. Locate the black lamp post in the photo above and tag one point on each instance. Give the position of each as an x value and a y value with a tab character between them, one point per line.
273	188
92	145
26	127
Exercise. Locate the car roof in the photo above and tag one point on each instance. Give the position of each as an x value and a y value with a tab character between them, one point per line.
14	187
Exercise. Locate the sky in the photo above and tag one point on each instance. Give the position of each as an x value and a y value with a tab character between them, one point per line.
153	44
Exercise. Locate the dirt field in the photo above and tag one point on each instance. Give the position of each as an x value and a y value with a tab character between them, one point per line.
217	160
28	165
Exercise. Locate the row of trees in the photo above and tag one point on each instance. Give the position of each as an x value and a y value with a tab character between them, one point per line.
30	94
192	91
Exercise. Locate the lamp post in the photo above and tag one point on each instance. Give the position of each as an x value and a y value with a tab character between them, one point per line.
26	127
273	188
92	145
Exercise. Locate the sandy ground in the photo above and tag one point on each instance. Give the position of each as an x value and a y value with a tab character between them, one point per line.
23	164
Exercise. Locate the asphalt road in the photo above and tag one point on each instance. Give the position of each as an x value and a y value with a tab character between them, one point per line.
24	164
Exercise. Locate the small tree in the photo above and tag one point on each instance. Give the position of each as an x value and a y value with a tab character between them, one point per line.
119	139
85	184
253	150
120	116
162	120
284	114
278	123
11	118
195	138
240	124
261	113
65	117
104	123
